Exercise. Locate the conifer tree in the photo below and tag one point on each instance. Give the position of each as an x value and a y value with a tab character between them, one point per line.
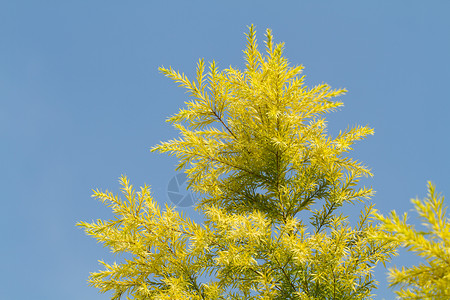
254	145
429	280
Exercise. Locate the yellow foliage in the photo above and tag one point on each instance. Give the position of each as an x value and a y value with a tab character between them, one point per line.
254	145
432	279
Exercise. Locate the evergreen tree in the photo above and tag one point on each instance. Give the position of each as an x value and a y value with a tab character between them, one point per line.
429	280
272	181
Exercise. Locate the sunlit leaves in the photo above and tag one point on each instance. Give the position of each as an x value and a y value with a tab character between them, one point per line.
254	144
430	280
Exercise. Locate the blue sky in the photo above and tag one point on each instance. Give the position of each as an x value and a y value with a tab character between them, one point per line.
82	102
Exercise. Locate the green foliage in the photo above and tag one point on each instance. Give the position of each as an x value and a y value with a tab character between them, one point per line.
432	279
254	145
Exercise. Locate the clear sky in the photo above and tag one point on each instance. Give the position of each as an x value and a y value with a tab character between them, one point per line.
82	102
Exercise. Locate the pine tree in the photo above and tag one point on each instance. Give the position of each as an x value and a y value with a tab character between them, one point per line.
429	280
254	145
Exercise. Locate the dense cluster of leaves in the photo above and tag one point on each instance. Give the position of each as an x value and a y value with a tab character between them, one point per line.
255	147
429	280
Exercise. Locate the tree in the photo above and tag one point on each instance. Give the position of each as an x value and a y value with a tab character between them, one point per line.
272	181
430	280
